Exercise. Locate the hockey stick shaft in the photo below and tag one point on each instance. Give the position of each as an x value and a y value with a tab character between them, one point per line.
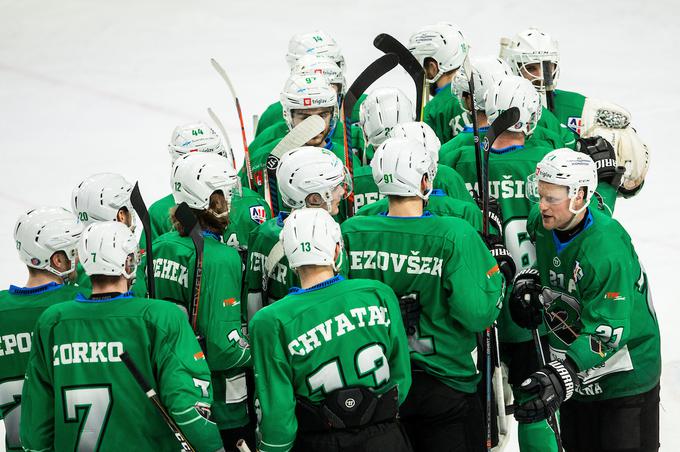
242	446
151	395
140	207
467	69
549	88
220	126
246	155
191	226
552	420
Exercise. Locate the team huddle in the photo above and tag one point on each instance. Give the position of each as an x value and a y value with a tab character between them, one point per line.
373	278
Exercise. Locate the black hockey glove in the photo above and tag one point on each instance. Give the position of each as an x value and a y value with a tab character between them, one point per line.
545	390
495	215
526	308
498	250
604	156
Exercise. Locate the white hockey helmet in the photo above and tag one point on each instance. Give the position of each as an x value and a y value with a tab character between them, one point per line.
569	168
108	248
99	198
531	46
308	170
486	71
41	232
314	43
444	43
310	237
320	65
398	167
420	132
514	91
383	109
195	177
305	92
195	137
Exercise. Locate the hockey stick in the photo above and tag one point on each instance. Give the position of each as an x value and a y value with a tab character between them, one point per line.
140	207
242	446
549	87
190	225
301	134
151	394
246	155
389	44
373	72
220	126
552	420
467	69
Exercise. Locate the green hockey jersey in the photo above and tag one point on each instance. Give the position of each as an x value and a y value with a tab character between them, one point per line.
550	122
598	307
219	313
20	308
445	115
447	181
339	333
138	288
248	210
79	395
569	110
441	265
439	204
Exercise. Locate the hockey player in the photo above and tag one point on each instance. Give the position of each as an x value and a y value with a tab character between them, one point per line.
105	197
449	287
78	395
532	50
205	181
331	358
248	209
46	240
441	49
592	293
307	177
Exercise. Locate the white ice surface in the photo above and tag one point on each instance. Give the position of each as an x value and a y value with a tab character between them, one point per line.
90	86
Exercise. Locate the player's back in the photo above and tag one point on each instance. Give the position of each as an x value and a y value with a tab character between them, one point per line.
20	308
96	402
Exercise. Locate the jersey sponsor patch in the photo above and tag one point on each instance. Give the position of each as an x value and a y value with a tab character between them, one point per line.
258	214
575	124
230	302
199	355
578	272
616	296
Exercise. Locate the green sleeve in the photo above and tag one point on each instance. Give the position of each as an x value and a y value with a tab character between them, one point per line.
567	137
608	194
607	304
400	359
473	281
274	393
273	114
37	398
184	378
226	345
452	183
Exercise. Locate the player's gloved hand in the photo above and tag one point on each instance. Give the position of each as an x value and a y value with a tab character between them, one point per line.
546	389
604	156
526	308
498	250
495	215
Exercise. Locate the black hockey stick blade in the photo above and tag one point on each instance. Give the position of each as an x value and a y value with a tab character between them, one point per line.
373	72
504	121
151	394
143	214
389	44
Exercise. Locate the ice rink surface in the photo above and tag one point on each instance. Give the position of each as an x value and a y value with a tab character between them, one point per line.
90	86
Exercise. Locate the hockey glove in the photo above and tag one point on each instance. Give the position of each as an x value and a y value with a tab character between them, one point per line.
495	215
604	156
526	308
498	250
546	389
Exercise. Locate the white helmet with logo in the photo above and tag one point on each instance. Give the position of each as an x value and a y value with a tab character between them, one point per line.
314	43
531	46
444	43
195	177
308	170
420	132
382	110
39	233
306	92
100	197
486	71
514	91
568	168
194	137
108	248
398	167
321	65
310	237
